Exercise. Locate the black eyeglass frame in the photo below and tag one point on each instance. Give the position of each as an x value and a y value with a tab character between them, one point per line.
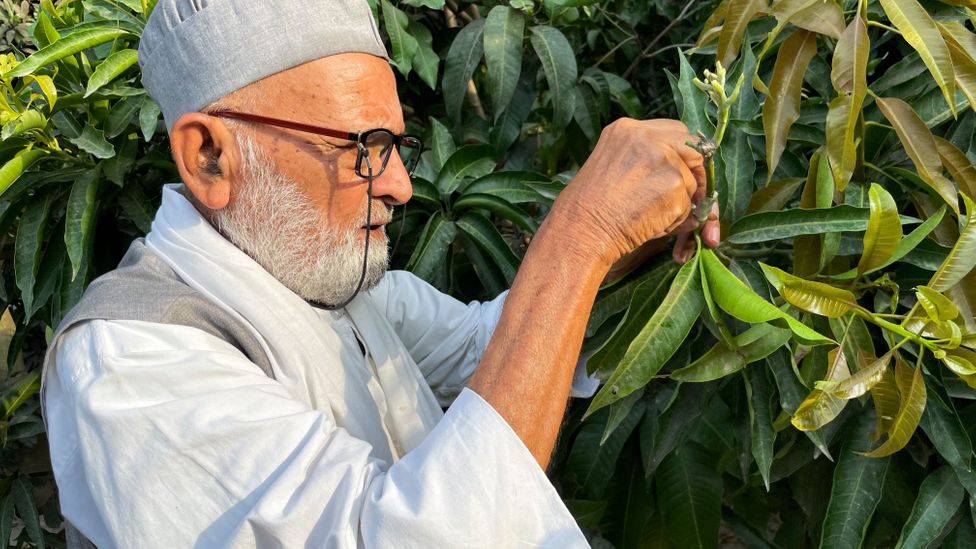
405	140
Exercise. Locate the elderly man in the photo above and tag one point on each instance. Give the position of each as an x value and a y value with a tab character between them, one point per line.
249	376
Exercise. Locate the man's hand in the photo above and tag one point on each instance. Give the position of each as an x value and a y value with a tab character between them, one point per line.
638	187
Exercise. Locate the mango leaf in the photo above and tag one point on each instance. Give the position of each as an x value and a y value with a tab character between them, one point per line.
820	16
766	226
513	186
148	117
855	491
80	216
943	426
658	339
883	233
760	396
29	246
645	298
819	407
737	15
425	60
689	495
884	396
498	206
849	76
937	306
110	68
13	168
481	230
754	344
591	463
860	382
559	64
737	299
939	497
18	393
907	244
782	106
919	144
484	266
27	121
24	502
93	141
403	45
962	51
504	29
7	517
912	389
774	195
962	257
962	362
815	297
71	44
468	161
920	31
692	103
621	411
432	246
462	58
958	165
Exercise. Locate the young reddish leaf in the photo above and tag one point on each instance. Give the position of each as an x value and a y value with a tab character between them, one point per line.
962	256
884	230
911	386
959	166
782	106
820	407
849	75
859	383
737	14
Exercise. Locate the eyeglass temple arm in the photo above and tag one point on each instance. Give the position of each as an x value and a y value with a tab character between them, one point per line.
291	125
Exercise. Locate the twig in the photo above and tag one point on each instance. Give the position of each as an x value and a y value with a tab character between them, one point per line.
656	39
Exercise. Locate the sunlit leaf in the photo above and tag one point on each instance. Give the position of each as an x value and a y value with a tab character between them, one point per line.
860	382
815	297
15	167
962	257
911	386
71	44
919	30
883	233
958	165
907	244
884	396
782	107
962	51
658	340
819	407
820	16
919	144
936	305
110	68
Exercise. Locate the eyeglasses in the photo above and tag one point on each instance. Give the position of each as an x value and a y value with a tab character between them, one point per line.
377	143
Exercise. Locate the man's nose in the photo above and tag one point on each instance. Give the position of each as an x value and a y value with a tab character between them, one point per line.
393	185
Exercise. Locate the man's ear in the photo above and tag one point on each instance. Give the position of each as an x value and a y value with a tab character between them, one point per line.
207	158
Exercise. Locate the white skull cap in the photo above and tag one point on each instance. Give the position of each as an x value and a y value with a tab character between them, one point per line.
194	52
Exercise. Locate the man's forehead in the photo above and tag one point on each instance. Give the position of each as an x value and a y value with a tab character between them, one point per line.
348	91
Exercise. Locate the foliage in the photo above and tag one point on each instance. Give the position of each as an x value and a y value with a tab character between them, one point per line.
844	166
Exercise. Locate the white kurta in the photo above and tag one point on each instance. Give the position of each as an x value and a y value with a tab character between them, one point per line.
166	436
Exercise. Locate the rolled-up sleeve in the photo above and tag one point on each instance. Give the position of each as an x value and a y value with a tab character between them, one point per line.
166	436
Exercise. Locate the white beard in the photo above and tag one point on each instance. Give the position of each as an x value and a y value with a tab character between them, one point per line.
279	227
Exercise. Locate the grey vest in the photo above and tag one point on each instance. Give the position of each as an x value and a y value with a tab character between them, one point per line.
144	287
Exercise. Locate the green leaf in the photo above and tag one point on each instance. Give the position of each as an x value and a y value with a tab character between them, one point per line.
504	30
920	31
93	141
943	426
621	410
442	146
658	339
6	519
907	244
912	389
24	503
468	161
13	168
559	64
18	393
462	58
148	117
737	15
498	206
625	96
508	127
962	257
937	306
883	233
858	384
644	301
737	299
479	229
739	163
110	68
754	344
432	4
403	45
29	246
919	145
774	195
488	272
689	495
80	216
938	499
766	226
71	44
121	115
855	492
425	192
46	84
759	393
692	102
432	247
782	106
849	75
591	462
819	407
512	186
425	60
25	122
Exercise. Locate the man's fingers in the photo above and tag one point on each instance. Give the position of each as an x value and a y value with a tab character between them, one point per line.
684	248
712	233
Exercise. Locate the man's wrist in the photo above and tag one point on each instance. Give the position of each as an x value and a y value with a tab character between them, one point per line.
571	237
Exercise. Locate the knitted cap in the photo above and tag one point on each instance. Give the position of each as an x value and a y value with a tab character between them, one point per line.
194	52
